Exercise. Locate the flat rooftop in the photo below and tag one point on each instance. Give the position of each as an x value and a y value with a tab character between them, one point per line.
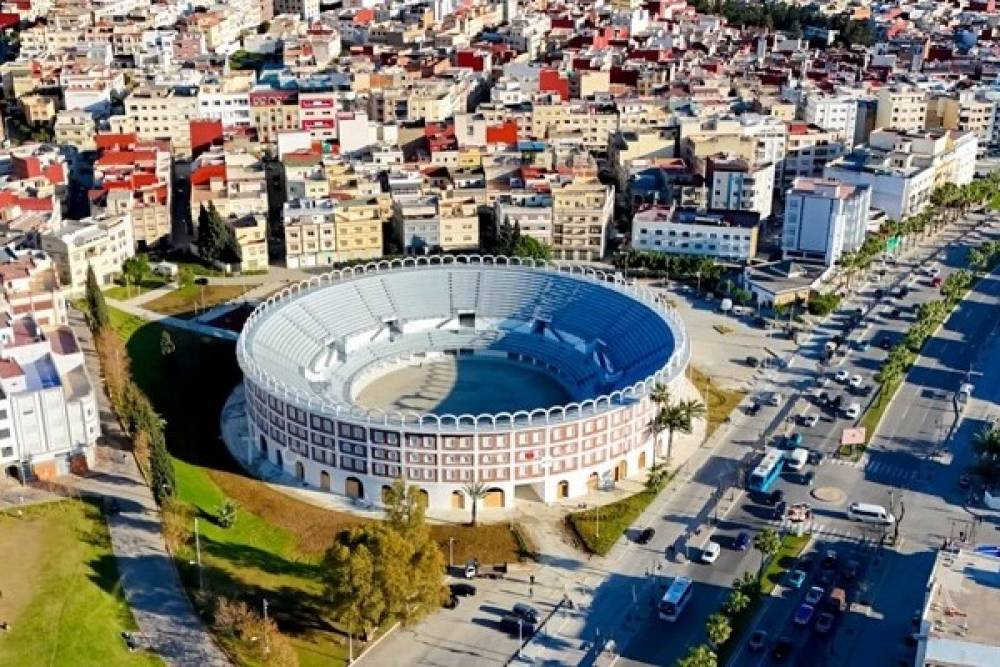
963	609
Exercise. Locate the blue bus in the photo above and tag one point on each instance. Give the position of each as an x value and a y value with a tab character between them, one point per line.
676	598
767	471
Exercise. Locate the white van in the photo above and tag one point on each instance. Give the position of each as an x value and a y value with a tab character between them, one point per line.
866	513
710	552
796	459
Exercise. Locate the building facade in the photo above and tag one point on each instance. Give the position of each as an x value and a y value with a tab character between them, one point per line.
824	219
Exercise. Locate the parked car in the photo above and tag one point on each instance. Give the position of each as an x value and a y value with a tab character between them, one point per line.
937	282
794	440
836	601
201	281
774	399
645	536
470	570
753	408
856	381
804	614
824	622
526	611
782	648
753	362
815	458
837	401
757	641
742	542
896	312
852	411
841	376
514	624
462	590
814	595
710	552
810	420
795	578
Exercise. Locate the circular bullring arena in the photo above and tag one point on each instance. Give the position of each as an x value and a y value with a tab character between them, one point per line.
531	378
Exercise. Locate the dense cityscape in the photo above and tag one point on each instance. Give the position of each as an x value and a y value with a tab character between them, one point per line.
467	333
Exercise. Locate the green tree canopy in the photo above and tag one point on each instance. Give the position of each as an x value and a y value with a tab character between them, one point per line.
527	246
99	317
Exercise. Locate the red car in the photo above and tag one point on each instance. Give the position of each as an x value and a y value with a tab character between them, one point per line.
937	282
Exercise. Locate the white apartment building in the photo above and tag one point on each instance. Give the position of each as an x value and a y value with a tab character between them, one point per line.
901	108
532	218
48	413
691	232
900	187
581	213
102	243
837	114
226	98
307	9
734	184
824	219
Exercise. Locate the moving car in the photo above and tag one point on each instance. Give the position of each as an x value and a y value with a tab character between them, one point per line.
824	623
796	459
852	411
645	536
829	560
774	399
757	640
741	542
814	595
804	614
526	611
470	570
810	420
885	343
710	552
868	513
794	440
795	578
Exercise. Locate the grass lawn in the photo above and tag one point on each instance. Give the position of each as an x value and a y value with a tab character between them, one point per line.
600	527
995	202
61	592
719	402
124	293
275	547
188	301
784	560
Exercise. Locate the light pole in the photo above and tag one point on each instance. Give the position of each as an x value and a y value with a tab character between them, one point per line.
520	638
451	552
197	548
267	645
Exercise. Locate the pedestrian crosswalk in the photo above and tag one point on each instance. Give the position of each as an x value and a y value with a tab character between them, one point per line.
889	472
861	462
813	528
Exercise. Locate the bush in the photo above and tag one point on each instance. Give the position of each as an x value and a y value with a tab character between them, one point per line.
822	305
225	516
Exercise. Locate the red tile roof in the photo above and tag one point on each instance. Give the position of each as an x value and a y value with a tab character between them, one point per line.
10	369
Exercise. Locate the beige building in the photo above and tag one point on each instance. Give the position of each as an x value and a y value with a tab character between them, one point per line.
581	213
636	149
323	232
591	124
101	243
250	231
807	150
459	223
75	128
234	181
965	113
164	112
901	108
38	109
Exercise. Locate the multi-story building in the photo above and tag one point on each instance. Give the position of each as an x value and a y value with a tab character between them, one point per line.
835	113
250	232
531	214
808	149
901	108
735	184
49	421
233	181
824	219
133	177
226	98
75	129
273	110
727	235
581	213
307	9
101	243
459	222
417	222
164	113
324	232
964	112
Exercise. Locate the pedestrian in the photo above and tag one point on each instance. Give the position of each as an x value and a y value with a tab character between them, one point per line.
531	592
531	579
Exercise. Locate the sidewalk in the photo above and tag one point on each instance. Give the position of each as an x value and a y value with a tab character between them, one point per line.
167	622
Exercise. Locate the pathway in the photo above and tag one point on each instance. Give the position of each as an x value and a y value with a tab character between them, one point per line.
199	328
168	623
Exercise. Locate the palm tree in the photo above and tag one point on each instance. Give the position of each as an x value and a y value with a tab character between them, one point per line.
476	491
699	656
718	629
661	397
986	445
693	408
736	602
767	543
675	418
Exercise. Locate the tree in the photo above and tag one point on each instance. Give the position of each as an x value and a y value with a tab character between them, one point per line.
136	268
530	247
185	276
767	542
660	395
718	630
736	602
225	516
212	234
476	492
99	317
699	656
986	445
167	347
747	584
161	469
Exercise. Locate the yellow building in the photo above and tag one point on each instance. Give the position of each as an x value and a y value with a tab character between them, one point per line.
459	223
164	112
581	213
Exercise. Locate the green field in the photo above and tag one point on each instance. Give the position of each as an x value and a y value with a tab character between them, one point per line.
61	591
126	292
600	527
274	548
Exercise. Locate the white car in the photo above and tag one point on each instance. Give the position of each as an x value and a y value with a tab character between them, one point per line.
856	381
710	552
810	420
852	411
774	399
841	376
